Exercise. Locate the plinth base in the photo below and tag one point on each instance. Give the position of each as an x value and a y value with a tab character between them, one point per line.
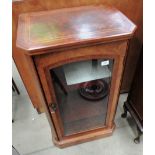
85	137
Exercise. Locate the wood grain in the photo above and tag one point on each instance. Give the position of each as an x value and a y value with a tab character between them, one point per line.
71	26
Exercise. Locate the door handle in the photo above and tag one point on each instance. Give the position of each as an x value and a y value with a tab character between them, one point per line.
53	106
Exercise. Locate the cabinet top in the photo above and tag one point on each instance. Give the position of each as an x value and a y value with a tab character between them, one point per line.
40	31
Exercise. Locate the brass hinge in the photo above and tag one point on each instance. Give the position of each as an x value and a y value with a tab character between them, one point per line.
53	106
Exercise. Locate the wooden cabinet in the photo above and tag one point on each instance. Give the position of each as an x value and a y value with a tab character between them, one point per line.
79	55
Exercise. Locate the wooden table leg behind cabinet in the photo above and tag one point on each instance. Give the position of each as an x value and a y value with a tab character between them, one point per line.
134	103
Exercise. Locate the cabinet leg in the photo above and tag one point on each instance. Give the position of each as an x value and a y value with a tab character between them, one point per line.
137	139
38	110
124	115
14	87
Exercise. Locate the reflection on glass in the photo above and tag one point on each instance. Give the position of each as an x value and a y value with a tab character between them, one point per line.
82	91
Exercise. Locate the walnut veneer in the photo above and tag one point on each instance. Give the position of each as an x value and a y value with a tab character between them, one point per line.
51	39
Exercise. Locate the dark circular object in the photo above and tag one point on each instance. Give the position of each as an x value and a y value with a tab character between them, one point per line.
137	140
124	115
94	90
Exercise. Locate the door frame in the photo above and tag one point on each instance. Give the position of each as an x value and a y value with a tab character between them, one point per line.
115	51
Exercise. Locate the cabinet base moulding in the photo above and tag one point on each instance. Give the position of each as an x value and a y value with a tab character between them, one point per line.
86	137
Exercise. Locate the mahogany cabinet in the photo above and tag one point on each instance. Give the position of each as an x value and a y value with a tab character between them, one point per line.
79	55
133	10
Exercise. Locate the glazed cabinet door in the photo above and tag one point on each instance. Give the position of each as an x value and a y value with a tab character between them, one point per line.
81	86
82	92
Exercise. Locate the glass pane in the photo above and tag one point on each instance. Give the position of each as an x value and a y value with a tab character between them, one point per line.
82	91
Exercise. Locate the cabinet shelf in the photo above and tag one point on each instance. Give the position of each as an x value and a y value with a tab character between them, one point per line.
84	71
